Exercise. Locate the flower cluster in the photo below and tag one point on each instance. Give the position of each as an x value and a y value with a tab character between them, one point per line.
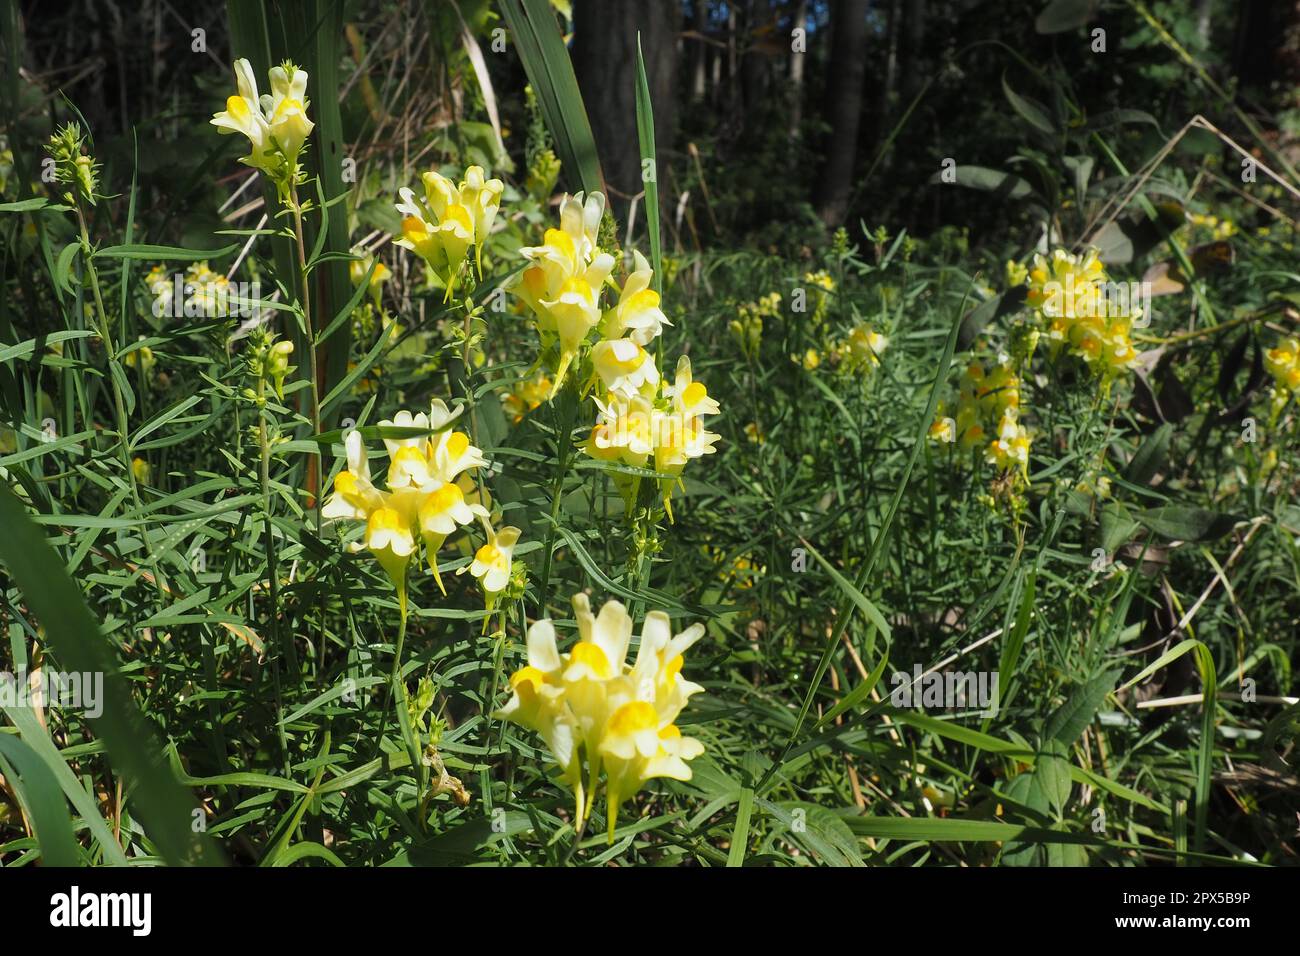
592	708
823	285
268	360
204	292
1082	311
369	316
988	417
643	421
424	501
859	352
442	225
655	427
275	123
72	166
747	326
562	284
1212	227
525	396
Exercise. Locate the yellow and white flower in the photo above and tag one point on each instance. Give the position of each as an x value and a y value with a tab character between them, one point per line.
575	311
388	537
276	123
624	367
1010	450
437	228
492	562
482	197
354	497
537	703
690	398
591	707
243	114
563	282
285	108
862	348
442	510
637	313
423	496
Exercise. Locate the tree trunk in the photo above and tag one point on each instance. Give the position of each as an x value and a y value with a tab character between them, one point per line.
754	67
798	22
887	90
912	69
604	58
699	51
844	88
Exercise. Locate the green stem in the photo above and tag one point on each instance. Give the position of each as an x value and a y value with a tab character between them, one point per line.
305	282
272	570
564	445
119	403
317	491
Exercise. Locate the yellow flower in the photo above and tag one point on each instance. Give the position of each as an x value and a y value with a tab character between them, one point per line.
159	282
358	268
1010	450
1066	286
1016	273
140	468
422	498
824	286
575	312
562	283
678	439
441	510
637	312
527	395
1283	364
286	109
943	430
862	348
623	433
822	279
492	561
631	428
624	367
592	708
1083	313
275	124
354	497
748	331
243	114
388	537
442	225
690	398
537	703
482	197
141	356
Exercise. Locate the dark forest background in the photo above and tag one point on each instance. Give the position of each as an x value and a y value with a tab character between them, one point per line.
772	144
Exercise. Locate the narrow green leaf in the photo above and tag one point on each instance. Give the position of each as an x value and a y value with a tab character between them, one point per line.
645	130
39	792
537	38
160	803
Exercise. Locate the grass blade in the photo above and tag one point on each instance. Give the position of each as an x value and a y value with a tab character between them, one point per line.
645	131
541	49
42	802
